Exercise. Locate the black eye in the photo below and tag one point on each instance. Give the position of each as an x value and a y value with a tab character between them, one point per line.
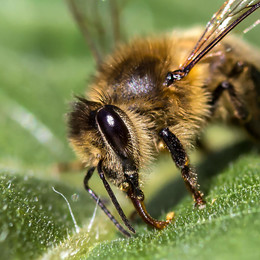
114	129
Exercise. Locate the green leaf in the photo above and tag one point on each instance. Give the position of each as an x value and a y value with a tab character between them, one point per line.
33	217
227	228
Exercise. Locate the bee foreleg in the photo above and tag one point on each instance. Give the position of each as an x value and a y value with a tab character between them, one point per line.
181	160
241	111
101	203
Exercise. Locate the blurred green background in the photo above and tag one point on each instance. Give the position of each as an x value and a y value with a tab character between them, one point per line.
44	62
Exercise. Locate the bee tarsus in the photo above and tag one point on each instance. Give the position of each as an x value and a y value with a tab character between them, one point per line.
141	209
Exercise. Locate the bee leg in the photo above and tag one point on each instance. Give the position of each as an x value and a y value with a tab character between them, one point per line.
181	160
241	111
253	125
249	120
141	210
102	205
137	197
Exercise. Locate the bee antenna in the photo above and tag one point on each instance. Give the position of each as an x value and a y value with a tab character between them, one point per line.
196	56
188	67
113	198
84	27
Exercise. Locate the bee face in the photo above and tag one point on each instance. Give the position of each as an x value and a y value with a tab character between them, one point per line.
99	131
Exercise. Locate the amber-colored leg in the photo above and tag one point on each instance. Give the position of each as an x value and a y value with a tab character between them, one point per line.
141	209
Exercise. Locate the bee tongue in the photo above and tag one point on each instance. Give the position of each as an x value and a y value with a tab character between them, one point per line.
140	208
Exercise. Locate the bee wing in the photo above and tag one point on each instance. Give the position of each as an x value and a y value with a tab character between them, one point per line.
99	22
230	14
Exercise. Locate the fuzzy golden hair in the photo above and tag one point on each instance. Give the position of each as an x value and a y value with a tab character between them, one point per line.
132	80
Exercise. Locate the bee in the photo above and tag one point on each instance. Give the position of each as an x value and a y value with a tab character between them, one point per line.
157	94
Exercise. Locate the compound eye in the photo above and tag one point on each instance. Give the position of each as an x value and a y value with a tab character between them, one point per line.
114	129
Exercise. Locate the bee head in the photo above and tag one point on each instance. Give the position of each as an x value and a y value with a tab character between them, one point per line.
105	132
